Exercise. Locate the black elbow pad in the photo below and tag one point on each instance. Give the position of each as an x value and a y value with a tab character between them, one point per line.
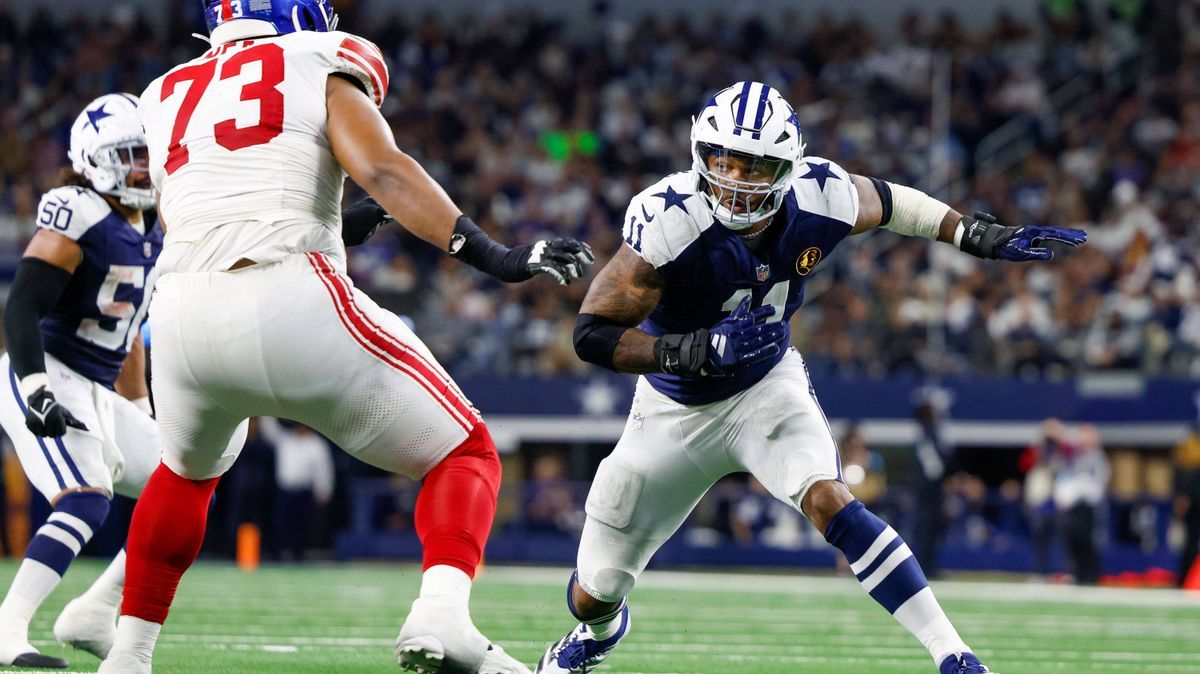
596	339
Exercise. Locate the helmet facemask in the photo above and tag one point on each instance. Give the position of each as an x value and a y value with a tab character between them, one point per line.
115	165
742	189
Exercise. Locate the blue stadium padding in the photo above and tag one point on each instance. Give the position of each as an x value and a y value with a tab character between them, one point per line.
1127	399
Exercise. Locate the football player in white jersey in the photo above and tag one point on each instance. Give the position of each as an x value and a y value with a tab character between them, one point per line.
698	302
76	404
254	315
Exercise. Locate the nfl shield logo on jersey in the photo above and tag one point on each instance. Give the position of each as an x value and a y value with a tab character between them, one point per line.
147	249
763	271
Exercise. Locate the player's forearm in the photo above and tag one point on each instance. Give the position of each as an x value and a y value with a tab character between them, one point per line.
635	353
413	198
35	290
131	382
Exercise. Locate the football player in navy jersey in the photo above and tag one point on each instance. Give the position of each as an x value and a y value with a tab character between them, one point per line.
697	301
76	403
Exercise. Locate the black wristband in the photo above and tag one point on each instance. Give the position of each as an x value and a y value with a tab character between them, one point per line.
472	245
983	235
35	290
885	197
684	354
596	339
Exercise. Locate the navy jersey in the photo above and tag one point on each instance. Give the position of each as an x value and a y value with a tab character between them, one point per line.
708	270
97	318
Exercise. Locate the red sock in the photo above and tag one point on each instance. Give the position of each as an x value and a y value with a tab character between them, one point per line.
164	539
458	502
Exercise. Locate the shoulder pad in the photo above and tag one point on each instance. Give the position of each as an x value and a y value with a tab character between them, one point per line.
824	188
665	218
71	211
361	59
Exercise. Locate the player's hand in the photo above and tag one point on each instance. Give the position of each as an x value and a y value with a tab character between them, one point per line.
742	339
361	220
985	237
46	417
563	259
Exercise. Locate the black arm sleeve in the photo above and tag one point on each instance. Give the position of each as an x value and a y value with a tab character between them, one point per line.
885	197
596	339
35	290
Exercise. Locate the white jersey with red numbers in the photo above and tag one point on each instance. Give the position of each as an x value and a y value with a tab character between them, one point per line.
240	153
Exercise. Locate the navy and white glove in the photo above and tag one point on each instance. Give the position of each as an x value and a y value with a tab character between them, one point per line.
563	259
983	236
46	417
362	220
735	343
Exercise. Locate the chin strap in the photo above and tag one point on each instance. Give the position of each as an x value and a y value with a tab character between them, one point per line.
202	38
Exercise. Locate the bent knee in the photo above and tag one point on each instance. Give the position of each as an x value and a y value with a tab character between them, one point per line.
602	587
823	500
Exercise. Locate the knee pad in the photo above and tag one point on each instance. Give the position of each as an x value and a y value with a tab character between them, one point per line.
606	584
82	512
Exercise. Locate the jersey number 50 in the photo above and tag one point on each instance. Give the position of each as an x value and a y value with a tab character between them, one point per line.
227	133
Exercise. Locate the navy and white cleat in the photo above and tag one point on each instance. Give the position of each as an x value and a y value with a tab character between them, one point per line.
580	652
963	663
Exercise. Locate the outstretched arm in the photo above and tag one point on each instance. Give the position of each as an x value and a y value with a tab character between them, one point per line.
365	147
907	211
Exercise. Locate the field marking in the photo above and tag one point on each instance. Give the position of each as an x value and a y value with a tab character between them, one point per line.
802	585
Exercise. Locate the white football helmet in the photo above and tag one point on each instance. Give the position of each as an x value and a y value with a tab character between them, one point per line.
746	144
107	144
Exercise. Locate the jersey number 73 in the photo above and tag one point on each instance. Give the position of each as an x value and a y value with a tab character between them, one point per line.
227	133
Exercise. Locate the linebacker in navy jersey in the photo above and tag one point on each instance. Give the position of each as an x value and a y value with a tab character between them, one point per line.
75	402
697	301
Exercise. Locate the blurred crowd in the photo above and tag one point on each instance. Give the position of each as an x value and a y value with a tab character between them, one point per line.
539	126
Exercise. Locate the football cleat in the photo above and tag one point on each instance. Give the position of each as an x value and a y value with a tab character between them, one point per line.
439	638
963	663
124	663
580	652
87	625
16	651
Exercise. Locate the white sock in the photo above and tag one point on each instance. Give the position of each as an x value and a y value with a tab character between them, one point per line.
446	582
30	587
135	637
107	588
606	628
923	616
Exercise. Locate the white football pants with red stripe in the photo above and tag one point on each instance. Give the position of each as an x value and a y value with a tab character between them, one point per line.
295	339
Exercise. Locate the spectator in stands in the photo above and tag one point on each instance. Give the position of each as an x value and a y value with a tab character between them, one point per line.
935	461
304	481
1080	487
1038	462
1187	498
551	505
862	469
248	490
758	518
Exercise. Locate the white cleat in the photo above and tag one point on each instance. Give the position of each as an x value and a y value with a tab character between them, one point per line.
16	651
123	663
87	625
438	637
496	661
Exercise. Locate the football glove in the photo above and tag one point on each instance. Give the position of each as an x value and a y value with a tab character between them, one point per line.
735	343
362	220
46	417
563	259
984	237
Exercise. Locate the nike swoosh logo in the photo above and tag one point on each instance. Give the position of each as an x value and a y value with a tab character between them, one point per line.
649	218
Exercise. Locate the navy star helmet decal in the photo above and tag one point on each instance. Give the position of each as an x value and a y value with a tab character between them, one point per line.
94	116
